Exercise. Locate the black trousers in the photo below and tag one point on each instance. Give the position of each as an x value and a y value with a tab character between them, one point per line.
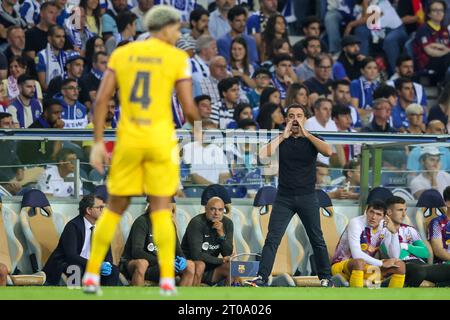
417	271
283	210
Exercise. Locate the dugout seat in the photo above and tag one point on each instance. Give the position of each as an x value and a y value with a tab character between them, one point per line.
11	251
290	251
121	236
430	205
41	227
182	219
328	223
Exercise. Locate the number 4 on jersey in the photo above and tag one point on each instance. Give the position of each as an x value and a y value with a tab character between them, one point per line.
142	81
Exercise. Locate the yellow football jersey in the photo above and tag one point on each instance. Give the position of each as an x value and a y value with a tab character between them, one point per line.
146	73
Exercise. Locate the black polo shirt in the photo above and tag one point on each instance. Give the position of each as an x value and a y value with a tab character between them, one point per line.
373	127
315	86
353	70
436	113
37	39
297	168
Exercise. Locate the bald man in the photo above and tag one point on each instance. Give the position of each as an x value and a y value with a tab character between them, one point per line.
207	236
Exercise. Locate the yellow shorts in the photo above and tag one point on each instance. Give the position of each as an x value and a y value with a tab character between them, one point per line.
341	268
153	170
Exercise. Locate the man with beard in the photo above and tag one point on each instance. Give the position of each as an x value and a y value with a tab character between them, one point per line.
218	21
32	152
51	60
405	69
90	82
298	151
348	64
198	21
25	108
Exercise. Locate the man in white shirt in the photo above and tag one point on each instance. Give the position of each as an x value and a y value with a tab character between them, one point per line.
208	163
321	121
74	246
355	255
432	177
206	49
52	183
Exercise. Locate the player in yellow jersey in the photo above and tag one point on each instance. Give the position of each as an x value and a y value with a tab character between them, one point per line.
145	159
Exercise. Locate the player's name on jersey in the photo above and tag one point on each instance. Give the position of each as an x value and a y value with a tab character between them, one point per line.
152	60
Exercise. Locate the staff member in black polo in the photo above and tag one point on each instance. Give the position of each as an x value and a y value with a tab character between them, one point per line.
298	151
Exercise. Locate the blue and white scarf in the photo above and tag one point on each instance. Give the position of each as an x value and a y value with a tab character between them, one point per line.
75	35
55	64
97	74
367	90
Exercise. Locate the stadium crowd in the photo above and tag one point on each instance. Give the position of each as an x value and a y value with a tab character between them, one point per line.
352	73
348	74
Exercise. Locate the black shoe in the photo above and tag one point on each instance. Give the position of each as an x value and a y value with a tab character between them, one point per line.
327	283
256	282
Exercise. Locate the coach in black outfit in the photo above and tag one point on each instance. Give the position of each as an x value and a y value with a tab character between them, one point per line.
75	243
298	151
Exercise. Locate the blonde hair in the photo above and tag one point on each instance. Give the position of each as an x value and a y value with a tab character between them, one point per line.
160	16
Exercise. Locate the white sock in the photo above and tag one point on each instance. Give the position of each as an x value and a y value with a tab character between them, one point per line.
169	281
95	277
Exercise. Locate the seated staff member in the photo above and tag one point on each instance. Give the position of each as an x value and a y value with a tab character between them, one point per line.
208	235
413	250
139	261
74	246
360	242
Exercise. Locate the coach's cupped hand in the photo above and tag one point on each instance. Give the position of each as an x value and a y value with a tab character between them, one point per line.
99	157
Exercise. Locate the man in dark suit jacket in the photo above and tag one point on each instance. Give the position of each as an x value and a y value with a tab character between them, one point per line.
75	244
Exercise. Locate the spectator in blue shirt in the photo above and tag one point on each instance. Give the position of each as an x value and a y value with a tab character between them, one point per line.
281	78
362	89
52	59
257	22
405	90
109	18
74	113
262	79
218	22
237	17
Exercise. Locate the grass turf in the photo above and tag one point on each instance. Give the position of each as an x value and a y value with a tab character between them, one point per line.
221	293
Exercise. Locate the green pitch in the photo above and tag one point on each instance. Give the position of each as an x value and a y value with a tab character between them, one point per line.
233	293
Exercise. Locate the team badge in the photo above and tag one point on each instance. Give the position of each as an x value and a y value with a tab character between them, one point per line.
151	247
241	268
79	113
205	246
364	246
180	4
